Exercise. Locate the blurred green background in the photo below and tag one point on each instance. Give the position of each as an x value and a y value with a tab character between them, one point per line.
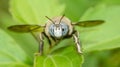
101	44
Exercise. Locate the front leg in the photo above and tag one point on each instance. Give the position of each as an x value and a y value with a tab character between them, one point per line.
41	43
40	40
77	42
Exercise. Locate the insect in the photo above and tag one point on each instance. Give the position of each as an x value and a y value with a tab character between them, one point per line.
55	30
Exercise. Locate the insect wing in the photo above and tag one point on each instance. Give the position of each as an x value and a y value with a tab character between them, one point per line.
26	28
89	23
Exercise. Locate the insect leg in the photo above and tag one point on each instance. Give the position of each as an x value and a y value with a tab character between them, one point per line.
39	38
49	40
41	43
76	40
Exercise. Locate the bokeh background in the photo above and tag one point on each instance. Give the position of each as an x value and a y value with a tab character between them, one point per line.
101	44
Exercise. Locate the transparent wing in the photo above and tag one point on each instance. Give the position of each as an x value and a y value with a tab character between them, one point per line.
26	28
89	23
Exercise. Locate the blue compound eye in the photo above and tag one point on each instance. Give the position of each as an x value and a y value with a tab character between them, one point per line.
64	28
51	30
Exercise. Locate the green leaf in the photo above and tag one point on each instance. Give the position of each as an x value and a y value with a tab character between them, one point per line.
64	57
25	41
34	12
74	9
11	54
61	55
105	36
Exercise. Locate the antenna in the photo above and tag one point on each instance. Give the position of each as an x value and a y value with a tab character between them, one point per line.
61	18
50	19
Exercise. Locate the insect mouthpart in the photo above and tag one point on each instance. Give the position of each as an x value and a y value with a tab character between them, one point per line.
57	31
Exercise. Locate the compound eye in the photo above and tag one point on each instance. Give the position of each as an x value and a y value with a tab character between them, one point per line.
51	30
63	29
